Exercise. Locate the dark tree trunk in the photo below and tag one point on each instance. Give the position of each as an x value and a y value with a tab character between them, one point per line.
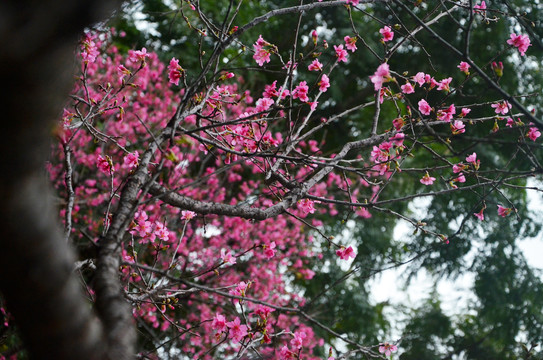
37	42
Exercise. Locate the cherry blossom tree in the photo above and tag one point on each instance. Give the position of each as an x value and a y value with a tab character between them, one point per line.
198	199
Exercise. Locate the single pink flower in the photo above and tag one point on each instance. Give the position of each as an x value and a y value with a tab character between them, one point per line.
444	84
175	71
501	107
315	66
138	55
458	127
324	84
381	75
269	250
464	67
458	168
510	122
300	92
464	112
341	54
420	78
408	88
533	133
461	178
387	349
219	323
503	211
263	104
187	215
350	43
521	42
480	8
237	331
105	165
427	179
480	215
306	206
131	160
446	114
227	257
261	56
299	337
472	158
424	107
387	33
346	253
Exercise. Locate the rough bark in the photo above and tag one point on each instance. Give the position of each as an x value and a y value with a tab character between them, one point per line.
38	40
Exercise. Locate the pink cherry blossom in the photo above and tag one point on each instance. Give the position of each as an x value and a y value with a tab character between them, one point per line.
464	112
420	78
300	92
187	215
480	8
424	107
227	257
350	43
472	158
261	55
123	70
427	179
503	211
533	133
219	323
237	331
461	178
263	104
161	231
89	49
315	66
286	354
480	215
501	107
346	253
175	71
387	33
299	337
324	84
387	349
408	88
458	127
458	168
136	56
521	42
131	160
341	54
381	75
352	2
444	84
464	67
510	122
446	114
105	165
269	250
306	206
